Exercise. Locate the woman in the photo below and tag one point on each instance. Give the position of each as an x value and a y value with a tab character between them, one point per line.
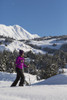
19	66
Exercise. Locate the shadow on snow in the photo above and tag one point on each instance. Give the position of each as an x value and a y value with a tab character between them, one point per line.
60	79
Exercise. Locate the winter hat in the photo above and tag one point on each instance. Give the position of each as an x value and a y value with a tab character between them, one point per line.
21	52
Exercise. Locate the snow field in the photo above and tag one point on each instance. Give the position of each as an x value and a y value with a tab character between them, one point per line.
54	88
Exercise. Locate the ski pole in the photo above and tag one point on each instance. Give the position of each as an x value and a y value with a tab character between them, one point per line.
29	77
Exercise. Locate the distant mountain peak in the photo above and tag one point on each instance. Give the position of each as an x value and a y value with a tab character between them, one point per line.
16	32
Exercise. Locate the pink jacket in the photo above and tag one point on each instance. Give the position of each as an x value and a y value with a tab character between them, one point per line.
20	62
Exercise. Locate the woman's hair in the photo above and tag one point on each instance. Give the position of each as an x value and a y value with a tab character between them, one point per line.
21	52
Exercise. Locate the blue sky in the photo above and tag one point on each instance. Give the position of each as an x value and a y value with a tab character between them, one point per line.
42	17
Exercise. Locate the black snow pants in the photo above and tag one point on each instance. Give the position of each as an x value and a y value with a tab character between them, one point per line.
20	76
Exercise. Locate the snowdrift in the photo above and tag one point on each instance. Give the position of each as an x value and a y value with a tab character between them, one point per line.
54	88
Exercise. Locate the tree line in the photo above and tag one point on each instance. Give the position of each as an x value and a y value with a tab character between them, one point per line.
41	65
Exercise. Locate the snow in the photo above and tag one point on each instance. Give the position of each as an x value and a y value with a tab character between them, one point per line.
2	48
49	43
17	45
16	32
54	88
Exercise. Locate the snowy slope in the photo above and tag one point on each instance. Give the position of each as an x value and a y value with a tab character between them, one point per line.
60	79
17	45
16	32
49	43
46	43
54	88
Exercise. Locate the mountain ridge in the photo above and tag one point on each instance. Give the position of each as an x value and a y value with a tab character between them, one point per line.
16	32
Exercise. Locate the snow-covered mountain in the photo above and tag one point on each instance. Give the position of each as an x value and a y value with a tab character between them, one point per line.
39	45
28	42
16	32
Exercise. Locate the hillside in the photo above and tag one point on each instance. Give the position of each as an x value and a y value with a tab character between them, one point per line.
15	38
39	45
